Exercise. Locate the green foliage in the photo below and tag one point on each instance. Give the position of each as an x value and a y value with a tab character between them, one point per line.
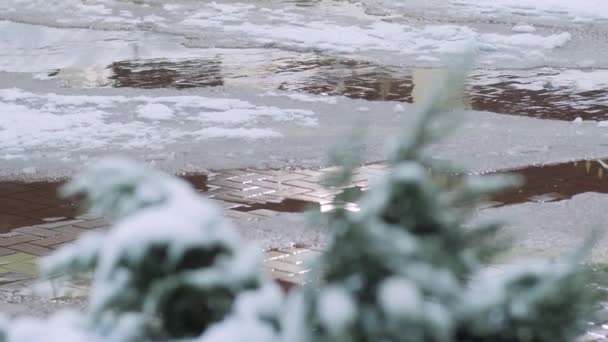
171	265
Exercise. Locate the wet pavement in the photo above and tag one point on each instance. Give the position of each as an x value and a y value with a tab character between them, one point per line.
546	93
549	183
265	193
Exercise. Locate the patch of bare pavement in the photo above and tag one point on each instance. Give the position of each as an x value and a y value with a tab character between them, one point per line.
257	194
546	93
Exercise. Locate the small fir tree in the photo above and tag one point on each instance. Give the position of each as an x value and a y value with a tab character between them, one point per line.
406	266
170	268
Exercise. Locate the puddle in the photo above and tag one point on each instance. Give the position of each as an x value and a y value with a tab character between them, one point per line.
542	93
24	204
550	183
287	205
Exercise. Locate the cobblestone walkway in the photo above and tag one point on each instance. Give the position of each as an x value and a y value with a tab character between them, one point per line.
35	222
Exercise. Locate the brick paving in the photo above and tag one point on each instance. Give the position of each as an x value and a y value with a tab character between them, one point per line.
34	222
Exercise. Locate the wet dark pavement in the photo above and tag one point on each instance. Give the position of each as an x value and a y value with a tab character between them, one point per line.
541	93
265	193
557	182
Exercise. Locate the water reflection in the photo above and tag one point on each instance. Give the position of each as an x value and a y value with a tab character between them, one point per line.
557	182
543	93
159	73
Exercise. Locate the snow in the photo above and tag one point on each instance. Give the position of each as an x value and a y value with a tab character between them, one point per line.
343	28
248	133
47	48
405	39
78	122
248	321
525	40
336	308
155	111
572	80
550	230
584	9
523	28
399	297
61	327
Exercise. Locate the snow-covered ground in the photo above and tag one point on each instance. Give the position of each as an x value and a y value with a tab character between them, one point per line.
578	11
360	28
55	129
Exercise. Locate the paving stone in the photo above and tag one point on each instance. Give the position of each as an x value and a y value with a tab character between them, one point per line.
23	268
9	234
323	193
271	185
54	240
268	172
59	224
92	224
17	239
312	173
294	250
251	193
286	178
5	251
274	255
61	245
306	198
302	259
18	257
31	249
305	185
88	217
378	166
72	230
8	276
37	231
279	265
231	184
233	172
248	178
292	191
